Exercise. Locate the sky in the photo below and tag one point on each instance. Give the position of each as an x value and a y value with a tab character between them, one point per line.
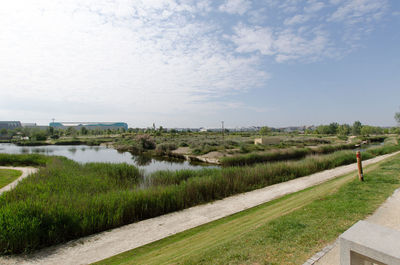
187	63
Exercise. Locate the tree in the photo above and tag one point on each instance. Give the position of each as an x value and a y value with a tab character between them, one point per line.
323	129
356	129
265	130
344	129
333	128
397	117
366	130
84	131
39	136
71	131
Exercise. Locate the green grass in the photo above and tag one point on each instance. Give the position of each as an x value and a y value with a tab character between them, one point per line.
281	154
66	200
23	160
8	175
285	231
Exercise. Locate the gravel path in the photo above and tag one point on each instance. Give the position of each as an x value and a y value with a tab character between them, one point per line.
106	244
26	171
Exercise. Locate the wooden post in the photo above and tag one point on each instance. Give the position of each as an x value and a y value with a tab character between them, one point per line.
360	170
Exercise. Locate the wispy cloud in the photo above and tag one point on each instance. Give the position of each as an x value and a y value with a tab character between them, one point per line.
235	6
283	45
148	56
355	11
315	31
297	19
160	57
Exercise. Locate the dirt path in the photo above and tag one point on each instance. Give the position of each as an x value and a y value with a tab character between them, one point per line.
103	245
26	171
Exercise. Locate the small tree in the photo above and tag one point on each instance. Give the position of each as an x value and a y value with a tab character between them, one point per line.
397	117
344	129
356	129
84	131
333	127
265	130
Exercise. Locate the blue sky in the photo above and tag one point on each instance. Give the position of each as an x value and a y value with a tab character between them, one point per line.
194	63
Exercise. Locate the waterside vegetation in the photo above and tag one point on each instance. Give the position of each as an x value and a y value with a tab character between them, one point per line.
286	231
67	200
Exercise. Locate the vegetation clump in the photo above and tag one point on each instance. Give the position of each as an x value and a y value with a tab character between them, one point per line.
281	154
23	160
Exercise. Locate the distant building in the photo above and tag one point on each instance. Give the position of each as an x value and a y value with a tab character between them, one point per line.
89	125
34	126
10	124
28	125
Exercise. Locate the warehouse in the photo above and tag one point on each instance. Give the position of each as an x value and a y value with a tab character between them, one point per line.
90	125
10	124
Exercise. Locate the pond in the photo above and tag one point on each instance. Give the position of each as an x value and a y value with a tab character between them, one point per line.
84	153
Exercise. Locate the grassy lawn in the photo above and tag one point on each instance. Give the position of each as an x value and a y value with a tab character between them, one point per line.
8	175
285	231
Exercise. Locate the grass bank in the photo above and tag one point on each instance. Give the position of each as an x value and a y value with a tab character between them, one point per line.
23	160
282	154
8	175
285	231
67	200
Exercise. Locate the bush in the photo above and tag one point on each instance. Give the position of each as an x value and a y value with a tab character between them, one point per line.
145	141
165	148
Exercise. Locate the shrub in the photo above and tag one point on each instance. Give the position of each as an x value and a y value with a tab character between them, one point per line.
145	141
165	148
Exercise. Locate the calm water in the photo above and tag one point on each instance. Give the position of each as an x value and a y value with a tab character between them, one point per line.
83	154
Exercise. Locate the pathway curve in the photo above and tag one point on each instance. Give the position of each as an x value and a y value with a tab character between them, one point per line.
106	244
26	171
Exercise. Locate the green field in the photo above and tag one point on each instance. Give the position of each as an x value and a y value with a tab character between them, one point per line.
8	175
285	231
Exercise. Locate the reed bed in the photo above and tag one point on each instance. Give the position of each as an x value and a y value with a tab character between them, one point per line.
280	155
23	160
66	200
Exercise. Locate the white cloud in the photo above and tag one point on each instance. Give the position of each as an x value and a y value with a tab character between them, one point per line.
249	39
162	57
130	57
283	45
297	19
313	6
235	6
354	11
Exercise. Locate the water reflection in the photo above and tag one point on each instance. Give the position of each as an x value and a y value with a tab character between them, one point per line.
72	150
103	154
142	160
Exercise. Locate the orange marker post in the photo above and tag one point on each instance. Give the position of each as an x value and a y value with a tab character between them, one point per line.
360	170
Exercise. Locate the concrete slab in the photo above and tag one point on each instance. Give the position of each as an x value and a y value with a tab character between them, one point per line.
372	242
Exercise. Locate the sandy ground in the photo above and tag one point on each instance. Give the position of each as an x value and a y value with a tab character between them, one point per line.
106	244
182	151
26	171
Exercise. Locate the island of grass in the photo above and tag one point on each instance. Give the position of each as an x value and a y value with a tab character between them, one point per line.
7	176
66	200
